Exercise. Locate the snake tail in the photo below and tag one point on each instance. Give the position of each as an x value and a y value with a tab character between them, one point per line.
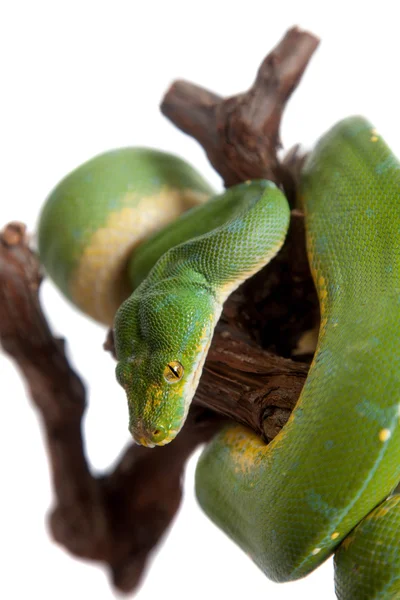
367	563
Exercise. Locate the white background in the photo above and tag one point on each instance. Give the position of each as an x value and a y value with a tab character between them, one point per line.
78	78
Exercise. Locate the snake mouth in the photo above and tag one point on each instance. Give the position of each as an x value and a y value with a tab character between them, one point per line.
142	441
171	436
159	436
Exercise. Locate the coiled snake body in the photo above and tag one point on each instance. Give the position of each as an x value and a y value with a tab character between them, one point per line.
324	483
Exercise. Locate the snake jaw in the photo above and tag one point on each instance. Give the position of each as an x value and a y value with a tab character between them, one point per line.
157	437
171	436
142	441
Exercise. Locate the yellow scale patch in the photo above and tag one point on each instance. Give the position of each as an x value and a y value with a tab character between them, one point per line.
374	135
384	435
98	285
381	512
245	447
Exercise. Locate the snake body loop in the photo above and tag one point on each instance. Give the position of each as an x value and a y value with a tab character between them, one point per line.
315	488
291	503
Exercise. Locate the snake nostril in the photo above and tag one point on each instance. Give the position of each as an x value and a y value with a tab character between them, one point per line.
159	434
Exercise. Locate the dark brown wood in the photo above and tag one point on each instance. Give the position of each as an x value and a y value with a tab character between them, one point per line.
241	134
248	384
117	518
252	373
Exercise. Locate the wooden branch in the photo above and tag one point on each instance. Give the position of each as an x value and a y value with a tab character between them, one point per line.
118	518
248	384
241	134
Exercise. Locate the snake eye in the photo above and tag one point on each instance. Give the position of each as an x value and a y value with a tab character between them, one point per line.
173	372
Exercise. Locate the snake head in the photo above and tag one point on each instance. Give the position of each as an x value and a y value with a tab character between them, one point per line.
155	388
161	342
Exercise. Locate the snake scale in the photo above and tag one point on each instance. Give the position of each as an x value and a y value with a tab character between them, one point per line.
142	220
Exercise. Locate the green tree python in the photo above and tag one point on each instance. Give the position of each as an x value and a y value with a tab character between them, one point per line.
324	485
